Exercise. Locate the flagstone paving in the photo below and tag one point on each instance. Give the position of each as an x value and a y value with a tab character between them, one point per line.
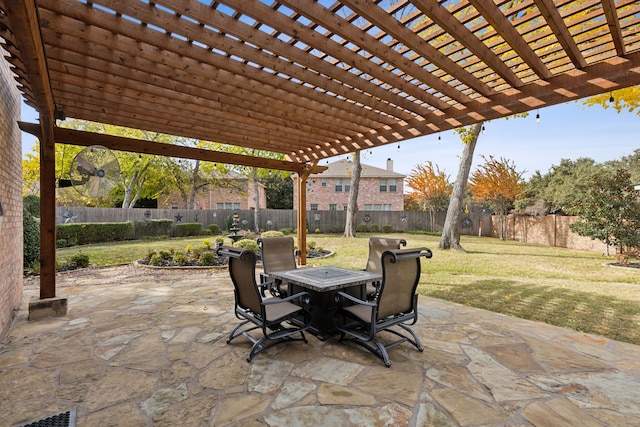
143	347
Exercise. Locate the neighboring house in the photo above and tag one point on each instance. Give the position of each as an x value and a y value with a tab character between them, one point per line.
236	193
380	189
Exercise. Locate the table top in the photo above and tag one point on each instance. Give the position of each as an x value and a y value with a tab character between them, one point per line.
324	279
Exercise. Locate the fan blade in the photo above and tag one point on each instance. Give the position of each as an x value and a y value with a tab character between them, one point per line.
94	186
107	167
85	167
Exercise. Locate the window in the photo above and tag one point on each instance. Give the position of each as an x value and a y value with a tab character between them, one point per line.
347	186
338	185
368	207
333	207
377	207
393	187
386	207
236	206
174	206
314	206
344	207
324	182
383	185
228	206
219	205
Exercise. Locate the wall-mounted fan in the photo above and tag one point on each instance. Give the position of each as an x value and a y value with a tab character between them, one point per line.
95	171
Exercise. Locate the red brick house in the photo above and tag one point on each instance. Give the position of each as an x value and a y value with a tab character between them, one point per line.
380	189
236	194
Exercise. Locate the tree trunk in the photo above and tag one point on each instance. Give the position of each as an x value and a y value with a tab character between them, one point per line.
451	231
256	199
352	206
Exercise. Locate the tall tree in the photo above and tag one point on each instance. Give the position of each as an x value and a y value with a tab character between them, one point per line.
610	211
279	189
430	187
451	231
352	205
497	183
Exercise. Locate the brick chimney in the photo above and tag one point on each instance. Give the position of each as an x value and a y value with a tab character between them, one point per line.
390	165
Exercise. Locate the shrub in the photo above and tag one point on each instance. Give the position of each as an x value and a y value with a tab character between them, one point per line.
247	244
286	231
31	204
165	255
362	228
374	228
219	241
199	250
188	229
246	234
30	239
152	227
80	260
207	258
214	228
310	244
205	232
61	243
272	233
180	258
155	259
387	228
206	243
95	232
317	231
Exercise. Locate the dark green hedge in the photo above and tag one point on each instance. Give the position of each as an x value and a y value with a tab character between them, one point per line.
153	227
31	239
188	229
95	232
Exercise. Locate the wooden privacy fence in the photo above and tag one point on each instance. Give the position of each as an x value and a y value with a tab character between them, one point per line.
473	223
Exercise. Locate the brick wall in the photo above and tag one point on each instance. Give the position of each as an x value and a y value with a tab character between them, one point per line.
10	198
368	193
210	199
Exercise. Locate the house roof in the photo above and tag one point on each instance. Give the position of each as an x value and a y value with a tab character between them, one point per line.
342	169
310	79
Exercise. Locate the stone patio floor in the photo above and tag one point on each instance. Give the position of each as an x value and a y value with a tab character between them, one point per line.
143	347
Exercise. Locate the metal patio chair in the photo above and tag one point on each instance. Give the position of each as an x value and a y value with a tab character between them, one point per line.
394	309
277	254
377	245
278	318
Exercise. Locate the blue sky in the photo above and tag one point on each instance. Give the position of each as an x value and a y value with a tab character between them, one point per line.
565	131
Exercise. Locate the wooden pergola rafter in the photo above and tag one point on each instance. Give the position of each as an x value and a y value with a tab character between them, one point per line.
308	79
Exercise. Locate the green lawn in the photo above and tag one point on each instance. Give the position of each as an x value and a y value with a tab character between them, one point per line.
563	287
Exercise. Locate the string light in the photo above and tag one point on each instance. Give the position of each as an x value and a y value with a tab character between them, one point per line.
483	130
538	117
439	138
611	98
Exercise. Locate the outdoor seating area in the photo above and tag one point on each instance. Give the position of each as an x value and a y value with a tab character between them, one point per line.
146	347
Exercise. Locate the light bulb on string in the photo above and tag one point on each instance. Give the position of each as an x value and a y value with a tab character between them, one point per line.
611	98
538	117
483	129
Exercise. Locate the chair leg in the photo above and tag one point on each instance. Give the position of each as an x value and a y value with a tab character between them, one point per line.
233	334
416	340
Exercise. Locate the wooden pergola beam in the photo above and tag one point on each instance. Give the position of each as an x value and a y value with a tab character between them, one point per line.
119	143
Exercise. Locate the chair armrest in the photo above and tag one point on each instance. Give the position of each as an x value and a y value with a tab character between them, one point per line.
340	296
289	298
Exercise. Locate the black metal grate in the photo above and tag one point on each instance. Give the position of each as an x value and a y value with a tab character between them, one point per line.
62	419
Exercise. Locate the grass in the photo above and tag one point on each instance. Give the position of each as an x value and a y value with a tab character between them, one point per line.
562	287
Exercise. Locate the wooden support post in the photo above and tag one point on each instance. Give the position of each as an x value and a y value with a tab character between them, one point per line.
47	209
302	211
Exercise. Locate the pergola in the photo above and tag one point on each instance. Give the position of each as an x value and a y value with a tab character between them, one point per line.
308	79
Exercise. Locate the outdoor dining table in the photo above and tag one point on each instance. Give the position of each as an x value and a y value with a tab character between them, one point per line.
323	283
